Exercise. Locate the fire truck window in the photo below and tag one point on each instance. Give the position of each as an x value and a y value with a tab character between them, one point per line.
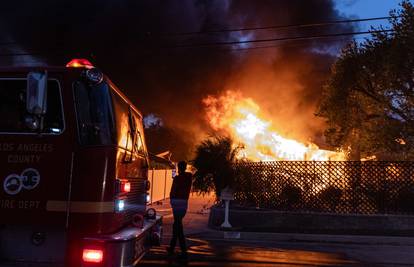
53	121
13	108
139	143
122	119
94	114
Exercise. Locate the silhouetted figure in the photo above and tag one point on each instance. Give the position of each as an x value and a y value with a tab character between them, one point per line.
180	192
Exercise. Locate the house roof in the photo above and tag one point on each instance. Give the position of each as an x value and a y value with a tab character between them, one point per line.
161	161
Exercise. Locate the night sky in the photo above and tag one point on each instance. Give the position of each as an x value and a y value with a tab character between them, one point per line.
366	8
168	75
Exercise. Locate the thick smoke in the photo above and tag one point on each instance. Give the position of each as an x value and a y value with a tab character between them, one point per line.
132	42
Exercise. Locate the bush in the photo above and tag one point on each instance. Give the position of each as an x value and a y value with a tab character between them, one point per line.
290	197
330	197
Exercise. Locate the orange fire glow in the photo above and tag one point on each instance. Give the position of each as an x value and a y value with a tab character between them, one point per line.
241	118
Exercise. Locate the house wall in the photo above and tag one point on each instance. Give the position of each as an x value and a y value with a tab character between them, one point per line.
161	181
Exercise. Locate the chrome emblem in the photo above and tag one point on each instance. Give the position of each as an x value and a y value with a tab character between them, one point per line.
28	179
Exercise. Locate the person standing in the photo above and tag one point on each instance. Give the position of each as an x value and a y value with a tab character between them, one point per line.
180	192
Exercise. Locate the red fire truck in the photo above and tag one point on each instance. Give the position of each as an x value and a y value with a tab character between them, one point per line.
73	170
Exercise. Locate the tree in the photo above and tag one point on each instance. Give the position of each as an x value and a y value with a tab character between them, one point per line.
368	102
214	160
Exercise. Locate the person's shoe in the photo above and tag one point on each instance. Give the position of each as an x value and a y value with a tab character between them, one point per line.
170	251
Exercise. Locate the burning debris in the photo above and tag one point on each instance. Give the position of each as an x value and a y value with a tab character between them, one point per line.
241	118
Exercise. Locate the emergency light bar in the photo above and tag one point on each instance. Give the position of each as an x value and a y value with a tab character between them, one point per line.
79	63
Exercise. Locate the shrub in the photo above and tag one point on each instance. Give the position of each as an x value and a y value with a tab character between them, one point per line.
290	197
330	197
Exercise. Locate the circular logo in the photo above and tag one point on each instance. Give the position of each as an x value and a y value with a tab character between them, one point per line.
12	184
30	178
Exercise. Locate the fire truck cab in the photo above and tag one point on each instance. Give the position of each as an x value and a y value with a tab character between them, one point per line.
73	170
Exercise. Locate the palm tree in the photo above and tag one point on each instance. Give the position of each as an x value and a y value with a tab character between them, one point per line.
215	160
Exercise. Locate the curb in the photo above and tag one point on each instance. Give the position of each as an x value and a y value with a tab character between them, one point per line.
306	238
315	223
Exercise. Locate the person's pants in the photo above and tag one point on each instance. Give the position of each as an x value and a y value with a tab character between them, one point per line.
179	210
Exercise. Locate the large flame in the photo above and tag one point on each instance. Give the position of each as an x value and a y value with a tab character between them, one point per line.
241	118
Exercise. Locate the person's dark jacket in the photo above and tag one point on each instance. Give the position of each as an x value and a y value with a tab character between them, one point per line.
181	186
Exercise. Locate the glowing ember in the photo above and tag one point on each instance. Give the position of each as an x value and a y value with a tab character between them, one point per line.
240	117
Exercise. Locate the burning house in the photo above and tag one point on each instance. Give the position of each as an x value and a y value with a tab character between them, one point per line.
241	118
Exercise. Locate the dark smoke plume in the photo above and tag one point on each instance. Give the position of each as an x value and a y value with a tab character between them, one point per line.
131	41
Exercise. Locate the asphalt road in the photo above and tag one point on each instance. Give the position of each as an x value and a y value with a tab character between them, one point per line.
205	251
242	253
215	248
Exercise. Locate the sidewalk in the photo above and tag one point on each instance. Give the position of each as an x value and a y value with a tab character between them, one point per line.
196	219
196	225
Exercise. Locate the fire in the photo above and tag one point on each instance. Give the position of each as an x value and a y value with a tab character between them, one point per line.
241	118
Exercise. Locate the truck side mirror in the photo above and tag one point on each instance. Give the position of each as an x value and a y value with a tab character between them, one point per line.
36	94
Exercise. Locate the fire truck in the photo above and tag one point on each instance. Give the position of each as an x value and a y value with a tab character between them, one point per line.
73	170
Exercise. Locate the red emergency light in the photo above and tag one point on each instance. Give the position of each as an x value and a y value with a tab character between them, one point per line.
92	255
126	187
79	63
